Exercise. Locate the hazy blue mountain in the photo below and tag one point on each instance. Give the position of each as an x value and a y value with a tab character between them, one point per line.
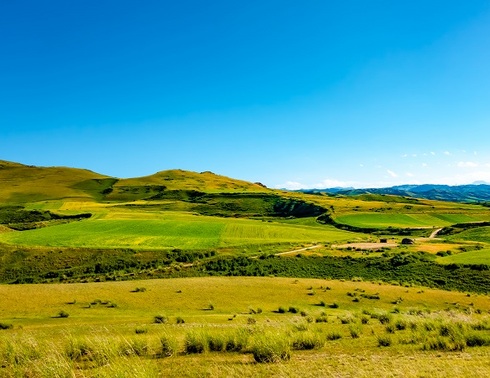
460	193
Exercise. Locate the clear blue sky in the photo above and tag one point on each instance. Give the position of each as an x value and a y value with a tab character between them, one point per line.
290	93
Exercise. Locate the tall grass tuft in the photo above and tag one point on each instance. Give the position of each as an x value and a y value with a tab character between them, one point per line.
307	341
195	342
271	348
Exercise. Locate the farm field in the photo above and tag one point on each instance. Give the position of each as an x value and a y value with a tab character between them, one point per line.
415	220
473	257
321	327
172	230
480	234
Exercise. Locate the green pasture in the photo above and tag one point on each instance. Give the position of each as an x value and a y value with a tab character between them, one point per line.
479	234
383	220
172	230
476	257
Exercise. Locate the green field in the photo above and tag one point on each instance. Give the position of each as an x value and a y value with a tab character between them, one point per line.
480	234
172	231
481	256
378	220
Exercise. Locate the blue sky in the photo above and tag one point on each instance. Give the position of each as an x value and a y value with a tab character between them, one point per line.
292	94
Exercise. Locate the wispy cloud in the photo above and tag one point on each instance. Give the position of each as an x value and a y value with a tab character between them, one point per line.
291	185
329	183
467	164
391	173
447	153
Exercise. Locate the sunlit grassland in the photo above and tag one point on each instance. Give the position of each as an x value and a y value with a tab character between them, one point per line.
379	220
481	256
344	326
480	234
171	230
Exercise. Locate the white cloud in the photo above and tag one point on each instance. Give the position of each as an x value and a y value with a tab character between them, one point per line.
391	173
291	185
433	153
329	183
409	174
467	164
467	178
361	165
447	153
425	165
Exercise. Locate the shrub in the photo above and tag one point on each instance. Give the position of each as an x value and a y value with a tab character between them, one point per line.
270	348
293	310
281	310
251	320
140	330
6	326
334	305
179	320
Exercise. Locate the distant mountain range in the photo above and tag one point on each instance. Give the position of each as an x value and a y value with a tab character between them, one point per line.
474	193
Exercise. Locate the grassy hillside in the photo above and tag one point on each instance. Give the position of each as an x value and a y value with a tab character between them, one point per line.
23	184
178	179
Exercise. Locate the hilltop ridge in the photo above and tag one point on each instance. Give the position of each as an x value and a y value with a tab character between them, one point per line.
21	183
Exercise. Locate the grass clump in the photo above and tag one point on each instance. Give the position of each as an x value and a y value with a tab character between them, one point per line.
160	319
307	341
168	347
62	314
333	336
384	341
355	331
271	348
6	326
195	342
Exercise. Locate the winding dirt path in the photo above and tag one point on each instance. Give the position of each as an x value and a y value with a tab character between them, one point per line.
434	233
298	250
